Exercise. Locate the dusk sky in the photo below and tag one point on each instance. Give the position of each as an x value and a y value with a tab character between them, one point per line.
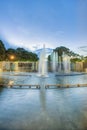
32	23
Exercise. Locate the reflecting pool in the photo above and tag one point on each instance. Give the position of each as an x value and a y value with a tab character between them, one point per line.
43	109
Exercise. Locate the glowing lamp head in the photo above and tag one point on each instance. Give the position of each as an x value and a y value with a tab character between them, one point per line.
12	57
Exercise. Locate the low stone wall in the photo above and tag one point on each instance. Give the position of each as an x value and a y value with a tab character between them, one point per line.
33	66
79	66
18	66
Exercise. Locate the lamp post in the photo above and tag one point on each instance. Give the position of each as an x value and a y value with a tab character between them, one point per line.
12	57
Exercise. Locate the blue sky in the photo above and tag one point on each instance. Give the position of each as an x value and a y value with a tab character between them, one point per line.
32	23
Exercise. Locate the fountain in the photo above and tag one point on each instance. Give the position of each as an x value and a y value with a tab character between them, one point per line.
54	59
66	63
42	69
38	106
61	63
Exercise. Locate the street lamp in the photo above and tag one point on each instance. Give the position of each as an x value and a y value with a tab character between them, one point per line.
12	57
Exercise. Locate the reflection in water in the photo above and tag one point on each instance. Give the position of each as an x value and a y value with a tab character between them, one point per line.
1	89
43	109
64	109
43	93
43	99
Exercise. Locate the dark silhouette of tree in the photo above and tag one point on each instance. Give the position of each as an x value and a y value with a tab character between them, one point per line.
66	50
2	51
49	58
61	49
75	60
11	52
19	54
24	55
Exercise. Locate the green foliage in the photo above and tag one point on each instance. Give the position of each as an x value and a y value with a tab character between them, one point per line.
9	53
49	58
20	54
61	49
75	60
67	51
2	51
24	55
85	59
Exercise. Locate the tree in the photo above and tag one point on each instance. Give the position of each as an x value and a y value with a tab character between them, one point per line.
19	54
24	55
49	58
11	52
2	51
67	51
62	49
75	60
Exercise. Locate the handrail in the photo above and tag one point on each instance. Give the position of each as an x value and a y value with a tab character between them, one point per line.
46	86
21	85
65	85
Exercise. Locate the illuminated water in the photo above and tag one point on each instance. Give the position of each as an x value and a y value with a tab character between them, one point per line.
60	63
42	63
43	109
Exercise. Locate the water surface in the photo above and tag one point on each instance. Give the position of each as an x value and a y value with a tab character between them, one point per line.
43	109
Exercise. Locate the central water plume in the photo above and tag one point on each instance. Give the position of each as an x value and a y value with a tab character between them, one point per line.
43	63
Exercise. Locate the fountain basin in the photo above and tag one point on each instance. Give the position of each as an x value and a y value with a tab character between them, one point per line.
46	109
71	74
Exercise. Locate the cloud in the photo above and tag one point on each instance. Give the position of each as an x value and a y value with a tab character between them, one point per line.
20	37
83	48
31	38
